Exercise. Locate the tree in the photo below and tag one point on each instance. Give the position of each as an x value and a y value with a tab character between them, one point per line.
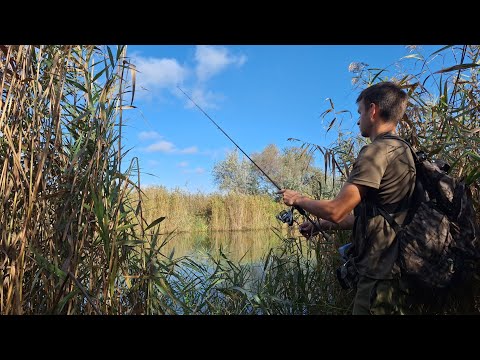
293	168
235	175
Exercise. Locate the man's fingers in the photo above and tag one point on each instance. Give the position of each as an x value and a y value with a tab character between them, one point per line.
305	229
281	191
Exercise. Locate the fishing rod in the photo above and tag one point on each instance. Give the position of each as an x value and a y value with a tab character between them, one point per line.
282	216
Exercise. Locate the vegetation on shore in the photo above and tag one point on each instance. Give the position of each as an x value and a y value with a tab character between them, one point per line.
78	236
210	212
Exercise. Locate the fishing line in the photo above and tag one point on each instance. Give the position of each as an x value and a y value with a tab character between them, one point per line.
299	209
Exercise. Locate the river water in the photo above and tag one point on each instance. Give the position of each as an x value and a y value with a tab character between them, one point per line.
249	246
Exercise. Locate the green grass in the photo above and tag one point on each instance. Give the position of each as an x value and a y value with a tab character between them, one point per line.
78	236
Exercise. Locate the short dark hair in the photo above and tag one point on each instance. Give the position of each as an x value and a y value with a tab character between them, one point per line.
389	97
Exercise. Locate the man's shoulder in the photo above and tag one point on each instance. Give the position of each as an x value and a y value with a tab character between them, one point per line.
376	147
390	140
387	145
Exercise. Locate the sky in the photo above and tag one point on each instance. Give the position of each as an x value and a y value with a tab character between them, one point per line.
258	94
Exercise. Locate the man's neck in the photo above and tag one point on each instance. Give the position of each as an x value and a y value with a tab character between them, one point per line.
382	128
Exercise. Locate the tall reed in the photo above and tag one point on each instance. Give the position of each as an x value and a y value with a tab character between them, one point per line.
243	212
77	238
201	212
65	221
295	278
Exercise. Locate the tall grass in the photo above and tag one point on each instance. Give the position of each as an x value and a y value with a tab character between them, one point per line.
77	236
66	221
243	212
443	112
442	119
295	278
214	212
184	211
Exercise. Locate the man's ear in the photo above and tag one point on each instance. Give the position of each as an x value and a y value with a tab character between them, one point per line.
374	109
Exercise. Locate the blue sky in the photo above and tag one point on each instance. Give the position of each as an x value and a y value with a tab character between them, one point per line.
258	94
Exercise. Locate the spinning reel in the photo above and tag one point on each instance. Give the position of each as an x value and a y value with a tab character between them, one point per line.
286	216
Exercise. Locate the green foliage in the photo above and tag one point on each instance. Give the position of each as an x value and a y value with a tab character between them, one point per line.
75	237
235	175
443	113
295	278
442	117
69	223
291	168
201	212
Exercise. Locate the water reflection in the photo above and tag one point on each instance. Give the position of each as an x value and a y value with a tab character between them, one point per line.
251	245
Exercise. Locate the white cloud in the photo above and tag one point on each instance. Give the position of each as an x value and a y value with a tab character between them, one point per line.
169	147
204	99
213	59
148	135
158	72
189	150
161	146
198	170
182	164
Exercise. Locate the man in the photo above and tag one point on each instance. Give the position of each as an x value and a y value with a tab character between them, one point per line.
383	174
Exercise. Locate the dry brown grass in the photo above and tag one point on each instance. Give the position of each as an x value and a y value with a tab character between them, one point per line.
64	218
201	212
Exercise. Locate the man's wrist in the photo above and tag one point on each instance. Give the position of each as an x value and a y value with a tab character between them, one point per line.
298	200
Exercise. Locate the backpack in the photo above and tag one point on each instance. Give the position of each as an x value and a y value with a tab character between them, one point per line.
438	241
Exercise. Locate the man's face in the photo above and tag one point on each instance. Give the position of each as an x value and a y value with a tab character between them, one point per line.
365	121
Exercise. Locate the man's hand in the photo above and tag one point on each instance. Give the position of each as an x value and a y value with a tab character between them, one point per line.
307	229
289	196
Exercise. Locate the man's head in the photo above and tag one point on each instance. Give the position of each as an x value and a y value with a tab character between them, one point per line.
384	102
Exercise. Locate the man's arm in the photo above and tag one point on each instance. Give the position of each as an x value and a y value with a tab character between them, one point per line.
345	224
308	230
335	210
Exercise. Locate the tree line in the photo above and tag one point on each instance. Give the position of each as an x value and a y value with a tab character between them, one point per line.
291	167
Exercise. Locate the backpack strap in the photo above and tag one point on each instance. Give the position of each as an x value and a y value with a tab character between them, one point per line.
388	209
396	137
389	219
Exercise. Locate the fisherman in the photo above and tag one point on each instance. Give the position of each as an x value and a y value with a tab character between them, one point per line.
383	174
